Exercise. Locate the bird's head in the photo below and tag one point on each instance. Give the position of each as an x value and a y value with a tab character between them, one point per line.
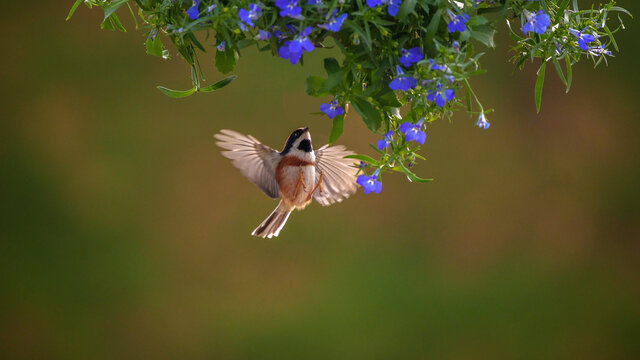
299	144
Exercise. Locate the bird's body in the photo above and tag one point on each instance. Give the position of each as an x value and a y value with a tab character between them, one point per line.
297	175
296	180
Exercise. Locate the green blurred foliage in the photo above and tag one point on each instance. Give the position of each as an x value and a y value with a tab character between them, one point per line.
125	234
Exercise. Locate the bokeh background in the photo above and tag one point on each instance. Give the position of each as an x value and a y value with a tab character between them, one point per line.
125	233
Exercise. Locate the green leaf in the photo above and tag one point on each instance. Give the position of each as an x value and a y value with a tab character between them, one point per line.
332	81
364	158
539	84
142	4
477	20
116	23
561	9
245	43
569	73
432	28
195	41
484	34
331	66
359	31
154	46
543	5
613	40
133	16
559	70
107	25
336	130
218	85
411	176
314	85
225	60
389	98
368	112
406	8
176	93
112	7
520	63
514	36
376	149
618	8
73	9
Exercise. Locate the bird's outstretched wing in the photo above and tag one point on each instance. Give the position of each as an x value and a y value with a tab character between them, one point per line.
256	161
338	176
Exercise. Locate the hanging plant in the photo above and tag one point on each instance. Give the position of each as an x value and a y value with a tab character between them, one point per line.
404	63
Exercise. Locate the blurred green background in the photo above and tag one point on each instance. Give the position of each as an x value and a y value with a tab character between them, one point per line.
125	233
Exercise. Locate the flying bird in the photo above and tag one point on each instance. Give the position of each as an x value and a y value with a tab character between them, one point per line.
295	175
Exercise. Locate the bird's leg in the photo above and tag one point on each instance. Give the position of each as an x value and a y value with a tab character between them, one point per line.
300	181
302	178
318	185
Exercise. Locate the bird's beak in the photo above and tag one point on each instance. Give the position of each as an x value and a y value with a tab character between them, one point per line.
306	134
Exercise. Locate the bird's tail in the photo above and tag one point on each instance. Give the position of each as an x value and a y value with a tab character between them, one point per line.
272	225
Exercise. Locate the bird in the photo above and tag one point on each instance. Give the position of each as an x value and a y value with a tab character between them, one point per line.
294	175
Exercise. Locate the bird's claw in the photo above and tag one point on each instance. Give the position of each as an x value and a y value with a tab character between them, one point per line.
318	185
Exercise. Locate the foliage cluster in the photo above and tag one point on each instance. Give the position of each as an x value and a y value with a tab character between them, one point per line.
413	57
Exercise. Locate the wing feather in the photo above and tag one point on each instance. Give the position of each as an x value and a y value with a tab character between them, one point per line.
256	161
338	176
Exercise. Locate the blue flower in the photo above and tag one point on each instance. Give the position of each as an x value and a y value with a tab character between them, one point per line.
599	50
583	39
435	66
289	8
402	82
253	13
370	183
413	131
393	6
242	26
440	95
211	7
292	29
262	35
537	23
293	49
332	109
285	53
334	23
482	122
383	143
302	42
456	47
278	34
457	22
425	83
193	10
411	56
221	46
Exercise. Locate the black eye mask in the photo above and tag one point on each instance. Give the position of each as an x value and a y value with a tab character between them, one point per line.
305	145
